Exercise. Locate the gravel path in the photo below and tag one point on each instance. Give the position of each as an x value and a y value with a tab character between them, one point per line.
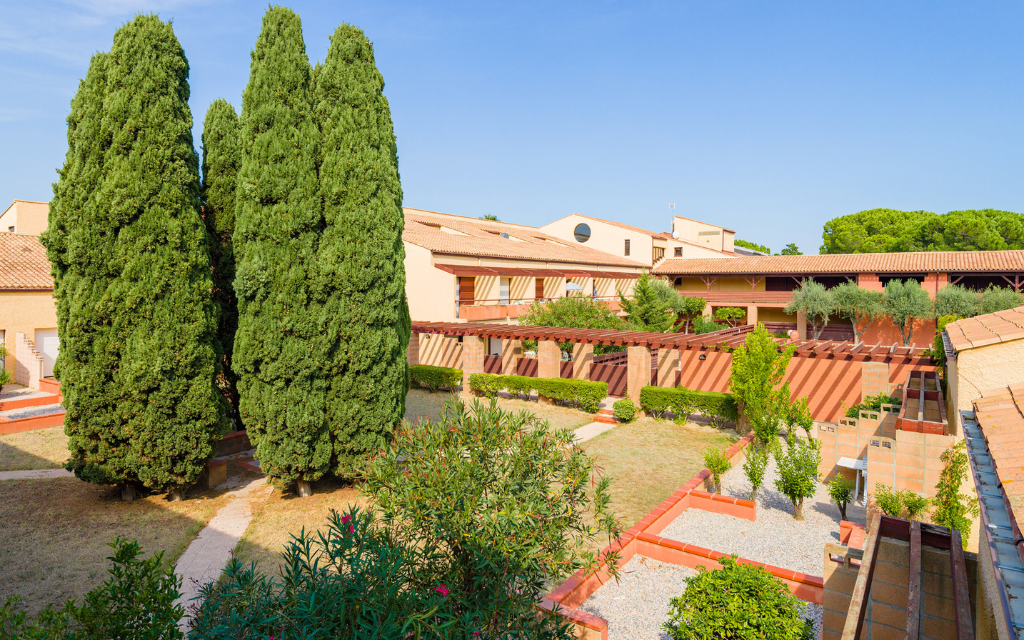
30	412
775	538
638	605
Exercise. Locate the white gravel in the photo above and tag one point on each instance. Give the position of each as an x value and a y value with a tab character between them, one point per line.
638	605
30	412
775	538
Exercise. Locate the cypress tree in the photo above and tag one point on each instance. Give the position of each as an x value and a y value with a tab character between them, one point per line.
138	353
220	172
360	258
281	345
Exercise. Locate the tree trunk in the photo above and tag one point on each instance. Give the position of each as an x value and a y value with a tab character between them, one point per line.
128	492
753	495
303	488
718	486
856	336
842	509
177	494
798	509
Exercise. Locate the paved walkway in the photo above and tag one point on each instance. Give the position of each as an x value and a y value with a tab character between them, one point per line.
35	474
209	553
592	430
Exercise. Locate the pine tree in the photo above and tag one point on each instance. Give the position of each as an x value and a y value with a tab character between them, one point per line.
646	310
283	346
138	356
220	172
360	259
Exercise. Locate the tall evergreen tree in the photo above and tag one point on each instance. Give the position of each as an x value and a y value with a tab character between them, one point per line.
138	353
360	260
220	172
280	352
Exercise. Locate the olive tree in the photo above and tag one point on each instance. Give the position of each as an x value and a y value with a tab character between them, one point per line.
817	302
955	300
906	301
857	304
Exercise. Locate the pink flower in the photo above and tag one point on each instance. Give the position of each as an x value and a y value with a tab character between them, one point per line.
351	529
345	519
443	590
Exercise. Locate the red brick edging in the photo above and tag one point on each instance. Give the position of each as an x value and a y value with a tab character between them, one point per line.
643	538
8	426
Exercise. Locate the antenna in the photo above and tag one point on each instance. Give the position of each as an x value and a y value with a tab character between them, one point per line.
671	205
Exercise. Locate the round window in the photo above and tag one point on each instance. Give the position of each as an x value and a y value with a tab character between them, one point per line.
582	232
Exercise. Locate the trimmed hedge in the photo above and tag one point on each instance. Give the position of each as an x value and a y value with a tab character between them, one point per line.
584	394
434	378
718	407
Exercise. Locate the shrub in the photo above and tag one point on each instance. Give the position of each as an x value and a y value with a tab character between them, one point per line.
137	602
888	500
841	492
913	504
706	325
999	299
754	468
717	464
952	507
718	407
340	581
584	394
957	300
625	410
873	403
500	510
737	601
575	312
798	471
434	378
758	369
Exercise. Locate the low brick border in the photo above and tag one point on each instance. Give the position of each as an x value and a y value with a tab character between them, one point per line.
8	426
643	538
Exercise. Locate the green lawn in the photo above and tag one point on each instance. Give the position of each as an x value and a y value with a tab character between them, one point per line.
42	449
420	403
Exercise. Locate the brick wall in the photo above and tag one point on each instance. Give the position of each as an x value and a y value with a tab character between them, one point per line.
638	371
874	378
440	351
582	360
668	364
839	578
412	354
511	351
909	460
474	349
28	363
549	359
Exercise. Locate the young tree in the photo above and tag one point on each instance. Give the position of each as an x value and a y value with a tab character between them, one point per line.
858	305
732	315
648	309
955	300
758	368
889	500
693	308
717	464
284	378
841	492
817	302
798	471
139	350
913	503
359	263
999	299
906	301
220	173
754	468
505	508
952	508
737	601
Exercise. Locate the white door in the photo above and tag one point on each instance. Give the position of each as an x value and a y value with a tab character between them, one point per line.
47	344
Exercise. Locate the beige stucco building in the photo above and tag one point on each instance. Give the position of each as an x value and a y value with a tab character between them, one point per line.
983	353
28	318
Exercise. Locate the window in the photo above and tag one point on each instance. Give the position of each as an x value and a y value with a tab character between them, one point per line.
11	229
679	252
678	282
582	232
503	287
627	248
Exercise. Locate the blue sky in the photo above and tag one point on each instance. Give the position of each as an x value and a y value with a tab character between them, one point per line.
768	118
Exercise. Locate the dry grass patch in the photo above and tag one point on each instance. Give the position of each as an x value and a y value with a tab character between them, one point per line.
56	534
41	449
419	403
285	515
649	460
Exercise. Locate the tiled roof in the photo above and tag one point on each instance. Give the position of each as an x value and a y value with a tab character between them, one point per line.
990	328
23	263
916	262
1000	413
653	234
475	237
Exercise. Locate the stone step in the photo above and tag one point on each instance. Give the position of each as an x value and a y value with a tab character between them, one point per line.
605	419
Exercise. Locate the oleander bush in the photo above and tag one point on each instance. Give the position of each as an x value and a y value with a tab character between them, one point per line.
737	601
718	407
624	410
434	378
585	394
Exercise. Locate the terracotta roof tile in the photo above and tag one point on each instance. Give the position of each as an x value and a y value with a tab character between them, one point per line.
915	262
23	263
653	234
457	235
991	328
1000	414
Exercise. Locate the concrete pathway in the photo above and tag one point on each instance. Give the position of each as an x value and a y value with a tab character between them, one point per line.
594	429
35	474
209	553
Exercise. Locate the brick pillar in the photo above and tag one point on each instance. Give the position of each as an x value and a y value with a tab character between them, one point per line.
549	359
638	371
708	311
668	365
582	359
412	354
474	348
511	351
874	378
751	314
801	325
